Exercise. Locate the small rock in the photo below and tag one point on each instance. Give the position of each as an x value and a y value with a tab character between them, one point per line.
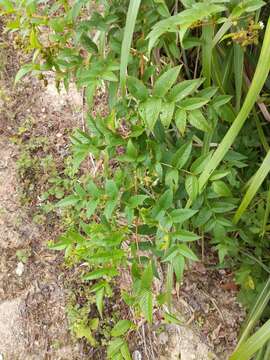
135	356
19	271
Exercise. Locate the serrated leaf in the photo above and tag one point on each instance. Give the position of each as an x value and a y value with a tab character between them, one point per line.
178	216
149	111
187	252
121	328
181	120
97	274
137	88
181	156
199	164
125	351
221	207
185	235
192	187
146	304
163	203
136	200
165	82
68	201
183	89
193	103
114	347
88	44
221	188
220	100
167	113
197	120
219	174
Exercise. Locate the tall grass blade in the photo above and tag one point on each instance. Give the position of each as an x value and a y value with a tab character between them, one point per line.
207	46
266	213
238	73
255	313
126	43
256	182
258	81
253	344
222	31
267	351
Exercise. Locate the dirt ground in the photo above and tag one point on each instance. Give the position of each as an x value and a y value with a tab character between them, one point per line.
33	322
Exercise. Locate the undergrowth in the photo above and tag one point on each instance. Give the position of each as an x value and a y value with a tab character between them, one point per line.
180	161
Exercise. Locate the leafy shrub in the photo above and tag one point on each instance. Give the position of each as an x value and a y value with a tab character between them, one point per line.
183	148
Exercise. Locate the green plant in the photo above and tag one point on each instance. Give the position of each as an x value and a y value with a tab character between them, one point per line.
176	147
258	342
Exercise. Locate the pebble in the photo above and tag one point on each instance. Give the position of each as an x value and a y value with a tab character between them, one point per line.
19	271
135	356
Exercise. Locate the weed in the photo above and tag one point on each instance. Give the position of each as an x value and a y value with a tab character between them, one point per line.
182	159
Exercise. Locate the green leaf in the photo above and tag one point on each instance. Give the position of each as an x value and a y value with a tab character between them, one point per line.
253	344
220	100
111	189
132	151
23	71
193	103
220	207
88	44
182	155
68	201
178	264
219	174
167	114
121	328
259	78
180	215
221	188
114	347
97	274
147	277
146	304
246	6
197	120
136	200
163	203
184	20
183	89
127	40
181	120
192	187
187	252
185	236
199	164
125	351
137	88
256	182
91	207
149	111
99	300
165	82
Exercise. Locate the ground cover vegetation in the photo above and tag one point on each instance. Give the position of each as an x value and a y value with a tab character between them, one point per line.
177	166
